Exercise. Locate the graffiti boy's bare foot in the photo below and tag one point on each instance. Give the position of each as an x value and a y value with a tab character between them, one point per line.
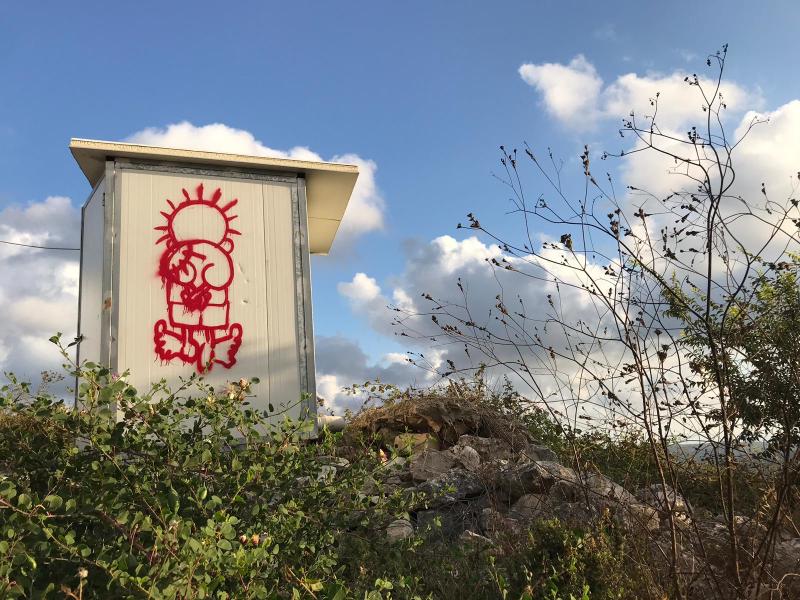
225	348
168	345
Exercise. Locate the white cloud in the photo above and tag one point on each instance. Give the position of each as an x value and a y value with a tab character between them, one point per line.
365	210
569	92
361	290
579	99
577	96
39	289
771	152
435	269
341	362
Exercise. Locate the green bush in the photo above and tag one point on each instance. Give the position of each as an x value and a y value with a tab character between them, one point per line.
550	561
184	497
191	494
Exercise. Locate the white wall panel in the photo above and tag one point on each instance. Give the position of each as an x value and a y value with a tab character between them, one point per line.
91	292
261	295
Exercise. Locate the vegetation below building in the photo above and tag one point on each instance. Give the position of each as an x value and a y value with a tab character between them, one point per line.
454	493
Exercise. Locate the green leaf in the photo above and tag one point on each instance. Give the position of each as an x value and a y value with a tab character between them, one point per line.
227	531
339	595
224	544
53	501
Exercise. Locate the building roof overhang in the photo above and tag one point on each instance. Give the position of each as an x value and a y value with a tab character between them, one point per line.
328	185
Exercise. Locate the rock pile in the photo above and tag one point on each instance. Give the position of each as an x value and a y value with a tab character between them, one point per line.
478	476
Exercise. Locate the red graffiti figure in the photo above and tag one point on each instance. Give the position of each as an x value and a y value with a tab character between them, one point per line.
197	272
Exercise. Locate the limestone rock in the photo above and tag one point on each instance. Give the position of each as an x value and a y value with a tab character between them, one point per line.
636	517
488	449
492	522
453	486
471	538
415	443
664	500
431	464
466	457
399	529
535	478
529	507
537	452
600	486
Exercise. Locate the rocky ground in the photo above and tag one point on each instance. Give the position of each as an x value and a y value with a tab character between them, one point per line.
479	476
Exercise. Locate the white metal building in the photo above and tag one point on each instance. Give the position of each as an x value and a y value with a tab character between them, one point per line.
199	262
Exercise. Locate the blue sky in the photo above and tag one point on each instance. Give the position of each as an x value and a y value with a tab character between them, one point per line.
428	91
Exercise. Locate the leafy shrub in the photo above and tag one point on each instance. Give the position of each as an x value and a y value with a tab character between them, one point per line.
548	562
189	495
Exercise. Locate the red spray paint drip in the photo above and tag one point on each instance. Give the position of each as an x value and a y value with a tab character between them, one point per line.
197	272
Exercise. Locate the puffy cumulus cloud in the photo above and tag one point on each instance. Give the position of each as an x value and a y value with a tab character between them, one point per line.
365	211
460	274
38	288
361	290
766	150
578	97
569	92
770	152
551	355
767	153
341	362
367	299
366	207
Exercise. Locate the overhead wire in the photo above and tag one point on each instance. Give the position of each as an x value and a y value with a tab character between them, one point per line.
39	247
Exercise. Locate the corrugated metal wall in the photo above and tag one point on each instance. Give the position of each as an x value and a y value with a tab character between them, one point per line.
261	296
91	292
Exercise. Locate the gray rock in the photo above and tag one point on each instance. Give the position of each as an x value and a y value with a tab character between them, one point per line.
567	491
431	464
529	507
576	514
453	486
415	443
601	487
470	538
594	488
534	478
664	500
488	449
492	522
449	521
334	461
636	517
399	529
466	457
536	452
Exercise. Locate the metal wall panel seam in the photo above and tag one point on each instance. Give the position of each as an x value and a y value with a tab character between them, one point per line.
308	334
106	299
299	313
117	267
